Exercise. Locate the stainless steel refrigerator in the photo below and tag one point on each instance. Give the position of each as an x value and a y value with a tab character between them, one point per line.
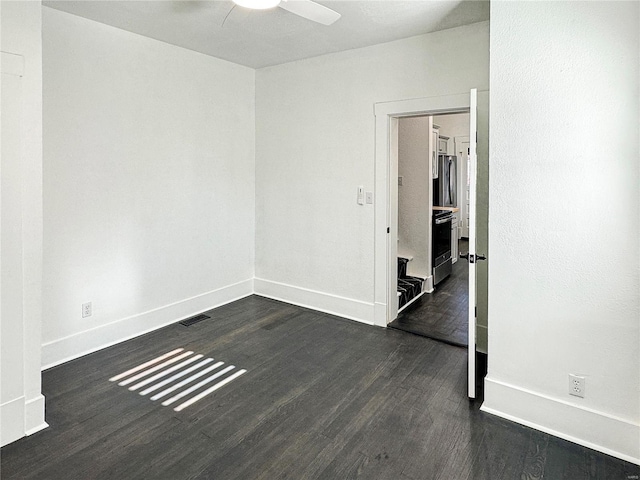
445	187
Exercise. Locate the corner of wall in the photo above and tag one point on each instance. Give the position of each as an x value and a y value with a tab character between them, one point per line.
89	341
349	308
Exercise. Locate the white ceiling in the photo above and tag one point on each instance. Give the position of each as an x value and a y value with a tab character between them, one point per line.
262	38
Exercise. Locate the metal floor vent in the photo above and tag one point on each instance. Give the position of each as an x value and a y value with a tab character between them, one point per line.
190	321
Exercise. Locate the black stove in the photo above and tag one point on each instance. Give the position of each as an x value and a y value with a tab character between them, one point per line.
439	214
441	245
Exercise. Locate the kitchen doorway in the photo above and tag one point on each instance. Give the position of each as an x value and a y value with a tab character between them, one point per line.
387	116
440	309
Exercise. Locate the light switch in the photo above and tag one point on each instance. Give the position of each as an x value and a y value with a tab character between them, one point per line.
369	197
360	195
400	179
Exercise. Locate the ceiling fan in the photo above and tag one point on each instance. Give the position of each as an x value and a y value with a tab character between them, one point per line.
304	8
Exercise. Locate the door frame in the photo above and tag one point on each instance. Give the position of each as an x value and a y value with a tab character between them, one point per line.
23	411
386	187
463	174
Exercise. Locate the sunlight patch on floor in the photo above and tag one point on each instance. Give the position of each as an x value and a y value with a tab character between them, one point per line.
165	371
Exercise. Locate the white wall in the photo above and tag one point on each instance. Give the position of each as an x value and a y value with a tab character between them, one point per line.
149	183
315	145
414	217
564	271
453	125
21	402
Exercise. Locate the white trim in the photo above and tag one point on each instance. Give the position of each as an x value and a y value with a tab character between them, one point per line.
458	103
380	314
393	152
89	341
37	428
381	216
593	429
472	290
34	415
411	301
12	64
324	302
12	421
428	285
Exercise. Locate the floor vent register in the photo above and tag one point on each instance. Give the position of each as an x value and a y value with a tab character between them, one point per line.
193	320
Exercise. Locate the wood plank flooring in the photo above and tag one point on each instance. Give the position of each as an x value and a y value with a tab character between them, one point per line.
323	398
443	314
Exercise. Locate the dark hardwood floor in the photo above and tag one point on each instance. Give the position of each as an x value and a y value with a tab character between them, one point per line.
443	314
323	398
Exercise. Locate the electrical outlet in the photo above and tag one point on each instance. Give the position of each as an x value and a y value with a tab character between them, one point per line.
576	385
86	310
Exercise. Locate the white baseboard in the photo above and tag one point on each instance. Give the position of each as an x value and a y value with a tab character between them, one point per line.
596	430
414	299
428	284
321	301
12	421
34	415
88	341
380	314
37	428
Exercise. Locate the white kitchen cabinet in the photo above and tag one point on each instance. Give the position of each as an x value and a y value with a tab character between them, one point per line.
434	152
443	145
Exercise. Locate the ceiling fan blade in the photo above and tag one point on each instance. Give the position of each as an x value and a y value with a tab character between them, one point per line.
311	11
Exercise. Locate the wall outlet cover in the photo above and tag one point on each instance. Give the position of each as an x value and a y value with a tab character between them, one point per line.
86	310
576	385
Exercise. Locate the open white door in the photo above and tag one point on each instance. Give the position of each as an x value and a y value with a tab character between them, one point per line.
472	259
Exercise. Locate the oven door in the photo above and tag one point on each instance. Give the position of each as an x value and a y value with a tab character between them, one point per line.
442	265
441	240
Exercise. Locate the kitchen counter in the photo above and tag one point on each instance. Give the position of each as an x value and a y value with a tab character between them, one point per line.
449	209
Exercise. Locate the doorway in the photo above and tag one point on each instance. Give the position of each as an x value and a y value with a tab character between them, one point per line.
387	116
440	310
